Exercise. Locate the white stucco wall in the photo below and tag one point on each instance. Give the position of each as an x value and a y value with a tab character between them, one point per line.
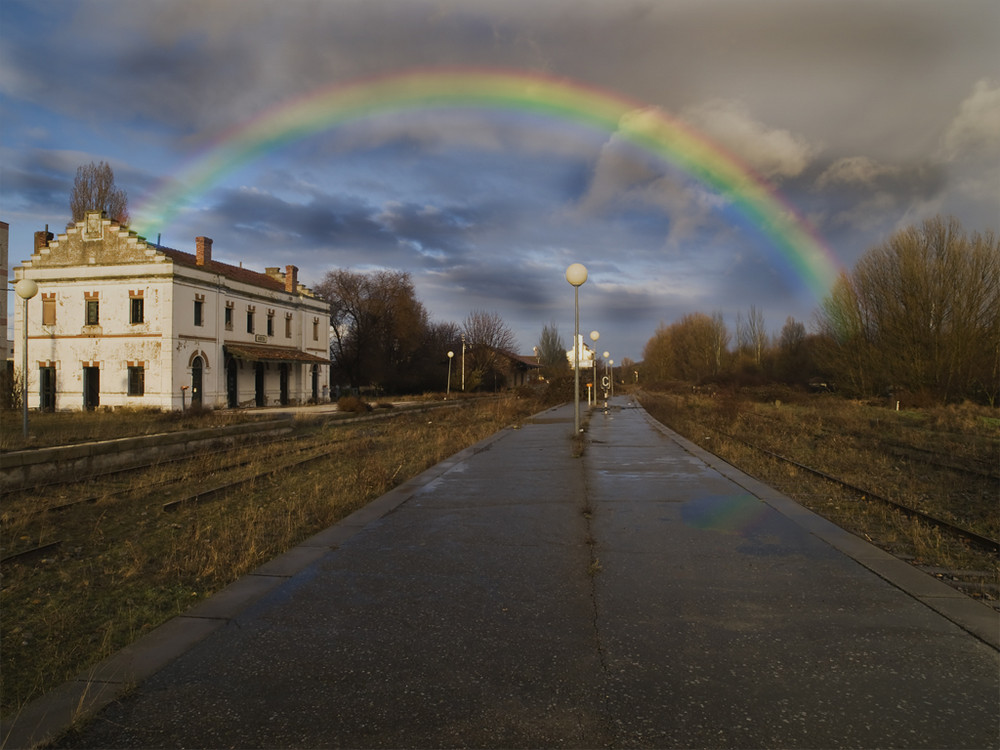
167	341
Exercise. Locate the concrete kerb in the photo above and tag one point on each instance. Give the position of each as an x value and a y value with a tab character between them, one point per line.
46	718
26	468
974	617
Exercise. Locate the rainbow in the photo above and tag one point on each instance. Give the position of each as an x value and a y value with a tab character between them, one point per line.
646	127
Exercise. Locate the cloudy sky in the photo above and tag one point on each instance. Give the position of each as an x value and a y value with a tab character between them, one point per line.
865	117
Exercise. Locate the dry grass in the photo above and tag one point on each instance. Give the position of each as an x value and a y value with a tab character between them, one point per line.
128	566
64	428
942	461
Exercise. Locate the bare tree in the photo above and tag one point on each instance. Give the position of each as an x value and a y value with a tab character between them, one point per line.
694	340
689	349
845	347
488	341
751	335
791	358
94	190
921	312
720	340
379	328
657	356
792	335
552	351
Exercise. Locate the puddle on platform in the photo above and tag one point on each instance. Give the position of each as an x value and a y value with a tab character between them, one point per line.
730	514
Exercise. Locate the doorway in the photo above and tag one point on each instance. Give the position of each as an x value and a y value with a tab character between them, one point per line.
283	383
197	367
47	388
91	388
232	383
259	397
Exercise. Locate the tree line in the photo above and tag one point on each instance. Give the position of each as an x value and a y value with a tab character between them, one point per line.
919	313
382	338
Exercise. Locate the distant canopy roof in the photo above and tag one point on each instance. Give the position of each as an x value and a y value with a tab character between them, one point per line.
250	353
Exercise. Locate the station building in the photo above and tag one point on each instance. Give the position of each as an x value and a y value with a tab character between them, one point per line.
119	321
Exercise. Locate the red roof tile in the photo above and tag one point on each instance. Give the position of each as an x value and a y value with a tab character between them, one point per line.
236	273
252	353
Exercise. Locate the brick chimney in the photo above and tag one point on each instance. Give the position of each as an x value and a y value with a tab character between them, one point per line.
42	239
291	279
204	252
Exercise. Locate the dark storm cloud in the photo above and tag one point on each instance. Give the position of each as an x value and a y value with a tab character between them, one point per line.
438	233
497	281
347	231
343	224
866	114
36	187
40	181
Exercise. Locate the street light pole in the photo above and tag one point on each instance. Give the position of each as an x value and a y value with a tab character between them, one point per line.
447	392
594	335
463	363
606	360
25	289
576	275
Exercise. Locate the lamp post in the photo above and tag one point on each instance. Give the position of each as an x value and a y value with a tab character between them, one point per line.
463	363
576	275
594	335
608	384
451	355
25	289
611	365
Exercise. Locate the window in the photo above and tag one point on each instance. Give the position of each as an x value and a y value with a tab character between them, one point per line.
315	329
288	326
229	318
136	381
270	324
93	312
249	321
199	312
135	310
49	311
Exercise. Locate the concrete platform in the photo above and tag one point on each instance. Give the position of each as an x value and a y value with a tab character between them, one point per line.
645	595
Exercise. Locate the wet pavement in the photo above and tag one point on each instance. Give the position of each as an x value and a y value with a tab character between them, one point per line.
644	595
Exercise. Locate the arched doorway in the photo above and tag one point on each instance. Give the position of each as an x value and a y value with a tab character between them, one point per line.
232	383
197	370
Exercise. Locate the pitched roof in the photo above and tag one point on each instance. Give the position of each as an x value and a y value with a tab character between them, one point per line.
252	353
528	360
236	273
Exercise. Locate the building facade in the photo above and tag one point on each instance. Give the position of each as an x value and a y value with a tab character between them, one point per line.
118	321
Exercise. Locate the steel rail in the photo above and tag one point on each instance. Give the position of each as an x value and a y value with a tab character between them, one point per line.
979	540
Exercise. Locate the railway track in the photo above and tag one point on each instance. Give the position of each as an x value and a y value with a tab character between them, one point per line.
214	490
983	542
165	486
929	456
